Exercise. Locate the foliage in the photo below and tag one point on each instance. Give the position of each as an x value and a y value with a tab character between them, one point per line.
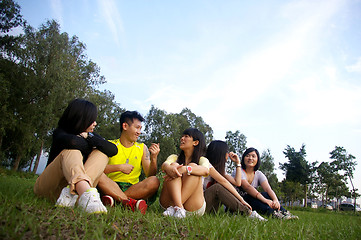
40	74
292	191
236	142
109	111
267	166
10	16
297	169
166	129
345	163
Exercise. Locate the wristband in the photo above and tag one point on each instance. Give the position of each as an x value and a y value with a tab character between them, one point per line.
257	195
189	170
238	165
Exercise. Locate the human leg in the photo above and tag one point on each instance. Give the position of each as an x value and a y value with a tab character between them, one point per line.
111	188
192	192
144	189
171	193
258	205
66	169
217	195
95	165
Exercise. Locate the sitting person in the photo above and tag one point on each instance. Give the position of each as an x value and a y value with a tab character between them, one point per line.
265	202
182	187
121	179
77	159
217	186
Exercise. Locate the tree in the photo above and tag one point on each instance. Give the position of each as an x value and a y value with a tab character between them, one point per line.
346	163
237	143
166	129
10	16
49	69
297	168
329	180
267	166
193	121
108	125
292	191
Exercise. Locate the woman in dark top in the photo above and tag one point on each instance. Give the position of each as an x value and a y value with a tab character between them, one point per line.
77	159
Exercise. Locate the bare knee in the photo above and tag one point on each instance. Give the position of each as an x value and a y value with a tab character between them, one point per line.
153	183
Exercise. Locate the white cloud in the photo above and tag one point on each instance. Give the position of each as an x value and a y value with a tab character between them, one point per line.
57	9
323	101
355	67
111	14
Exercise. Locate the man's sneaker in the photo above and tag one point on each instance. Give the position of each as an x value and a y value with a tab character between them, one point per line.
255	215
179	212
278	214
90	202
66	199
133	204
107	201
142	206
289	216
169	211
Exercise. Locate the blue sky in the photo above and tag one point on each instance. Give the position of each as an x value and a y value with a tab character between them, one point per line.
281	72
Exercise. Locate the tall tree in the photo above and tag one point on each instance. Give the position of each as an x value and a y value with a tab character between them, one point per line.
328	179
52	69
297	168
346	163
10	18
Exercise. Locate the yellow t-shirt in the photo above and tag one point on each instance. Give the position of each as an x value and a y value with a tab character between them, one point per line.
203	161
132	156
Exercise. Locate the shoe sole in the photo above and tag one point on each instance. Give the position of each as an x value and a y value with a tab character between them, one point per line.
142	206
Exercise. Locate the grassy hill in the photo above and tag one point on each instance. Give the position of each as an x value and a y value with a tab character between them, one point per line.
25	216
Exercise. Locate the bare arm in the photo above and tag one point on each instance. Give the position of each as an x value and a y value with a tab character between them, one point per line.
237	179
254	193
124	168
265	185
149	159
175	170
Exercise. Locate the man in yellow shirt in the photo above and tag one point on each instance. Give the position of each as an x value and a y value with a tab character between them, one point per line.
120	181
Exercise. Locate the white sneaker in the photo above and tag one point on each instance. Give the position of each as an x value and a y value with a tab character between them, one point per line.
289	216
66	199
179	212
255	215
169	211
278	214
90	202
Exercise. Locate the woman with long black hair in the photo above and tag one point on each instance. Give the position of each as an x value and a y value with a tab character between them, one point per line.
182	190
77	158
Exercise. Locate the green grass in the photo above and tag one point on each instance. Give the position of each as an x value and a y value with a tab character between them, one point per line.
25	216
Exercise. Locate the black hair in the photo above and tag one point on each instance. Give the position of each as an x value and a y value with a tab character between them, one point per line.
249	150
199	150
78	116
216	154
128	117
